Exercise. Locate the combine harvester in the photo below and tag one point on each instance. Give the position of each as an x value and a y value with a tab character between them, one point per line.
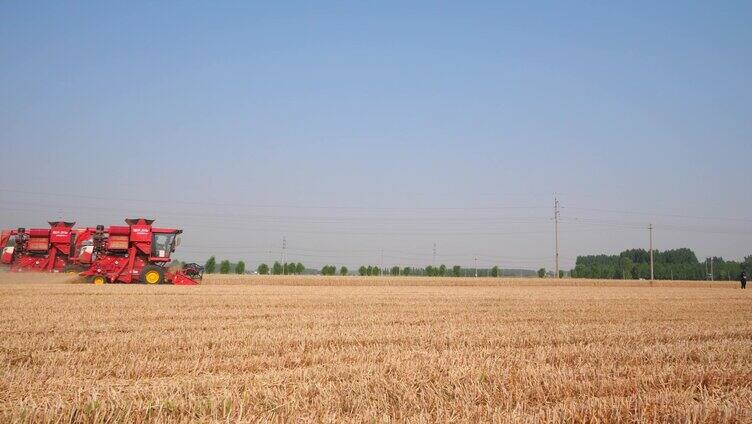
136	253
60	248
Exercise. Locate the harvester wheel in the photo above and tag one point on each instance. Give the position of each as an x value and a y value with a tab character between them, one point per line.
152	274
98	279
70	269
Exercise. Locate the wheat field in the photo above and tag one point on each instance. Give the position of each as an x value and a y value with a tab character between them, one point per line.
239	349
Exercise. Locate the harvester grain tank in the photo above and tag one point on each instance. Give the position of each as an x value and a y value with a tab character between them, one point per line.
60	248
138	252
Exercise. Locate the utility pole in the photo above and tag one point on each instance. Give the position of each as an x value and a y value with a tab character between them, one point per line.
650	227
284	255
434	254
476	266
556	231
712	277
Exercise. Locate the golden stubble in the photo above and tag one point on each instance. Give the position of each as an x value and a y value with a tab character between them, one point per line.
288	348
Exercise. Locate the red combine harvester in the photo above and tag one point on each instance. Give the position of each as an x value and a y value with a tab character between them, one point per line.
60	248
138	253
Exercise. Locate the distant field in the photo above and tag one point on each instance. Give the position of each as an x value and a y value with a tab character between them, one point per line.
257	348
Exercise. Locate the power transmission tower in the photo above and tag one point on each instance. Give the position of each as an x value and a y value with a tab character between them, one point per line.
434	254
284	255
650	227
556	231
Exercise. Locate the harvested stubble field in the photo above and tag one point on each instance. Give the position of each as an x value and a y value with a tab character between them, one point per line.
354	349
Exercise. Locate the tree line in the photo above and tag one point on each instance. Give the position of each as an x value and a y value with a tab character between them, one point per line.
225	267
429	271
674	264
277	268
292	268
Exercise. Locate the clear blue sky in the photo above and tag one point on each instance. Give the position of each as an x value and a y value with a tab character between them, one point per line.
348	128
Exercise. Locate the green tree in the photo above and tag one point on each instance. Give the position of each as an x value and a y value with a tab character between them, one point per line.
456	270
277	268
746	266
224	267
495	271
430	271
625	267
680	264
541	272
329	270
299	268
395	270
343	270
363	271
442	270
211	265
406	270
240	267
561	274
263	269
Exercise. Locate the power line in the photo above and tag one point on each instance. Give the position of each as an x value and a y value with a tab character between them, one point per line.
276	217
354	224
714	218
269	206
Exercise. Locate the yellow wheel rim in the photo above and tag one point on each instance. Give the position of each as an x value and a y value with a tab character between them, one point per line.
152	277
99	280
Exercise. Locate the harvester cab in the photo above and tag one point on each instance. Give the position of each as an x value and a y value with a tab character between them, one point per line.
138	252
